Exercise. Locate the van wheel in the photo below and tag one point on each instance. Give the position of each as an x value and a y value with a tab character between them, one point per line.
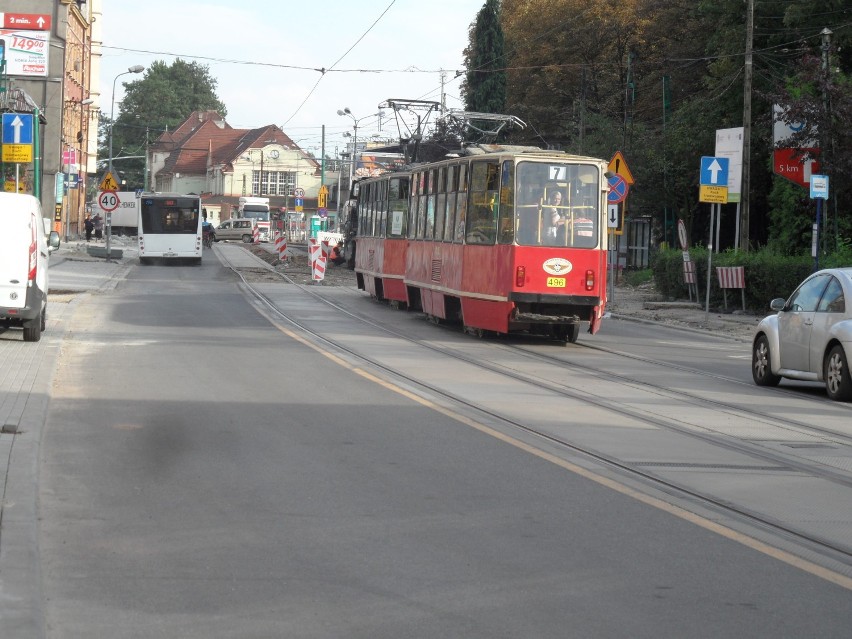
32	329
247	239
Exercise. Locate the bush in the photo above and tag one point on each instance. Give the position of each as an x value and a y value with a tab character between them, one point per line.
767	275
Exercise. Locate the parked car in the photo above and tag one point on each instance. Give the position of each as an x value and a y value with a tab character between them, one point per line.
26	241
236	229
810	336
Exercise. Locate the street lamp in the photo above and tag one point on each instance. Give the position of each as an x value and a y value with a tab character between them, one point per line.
136	68
355	121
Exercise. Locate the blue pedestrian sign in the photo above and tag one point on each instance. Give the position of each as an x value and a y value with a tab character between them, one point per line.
714	171
17	128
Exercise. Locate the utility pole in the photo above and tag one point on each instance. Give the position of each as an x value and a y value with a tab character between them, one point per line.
746	182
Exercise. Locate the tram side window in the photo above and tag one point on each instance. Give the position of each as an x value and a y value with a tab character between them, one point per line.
381	207
441	203
452	189
366	192
362	207
484	205
507	203
461	205
429	231
422	201
397	207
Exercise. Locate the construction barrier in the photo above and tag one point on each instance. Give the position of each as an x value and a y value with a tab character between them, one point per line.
318	259
256	235
731	277
281	247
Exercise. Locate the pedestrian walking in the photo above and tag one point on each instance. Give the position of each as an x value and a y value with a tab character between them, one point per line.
99	226
90	226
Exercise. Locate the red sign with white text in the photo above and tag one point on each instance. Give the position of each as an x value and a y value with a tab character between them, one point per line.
26	21
792	165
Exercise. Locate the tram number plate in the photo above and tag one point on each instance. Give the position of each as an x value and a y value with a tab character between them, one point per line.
555	282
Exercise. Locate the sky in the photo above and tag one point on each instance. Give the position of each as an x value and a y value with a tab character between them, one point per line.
265	56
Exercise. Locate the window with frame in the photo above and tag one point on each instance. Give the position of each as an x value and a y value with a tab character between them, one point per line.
440	203
461	203
273	182
432	184
484	204
397	207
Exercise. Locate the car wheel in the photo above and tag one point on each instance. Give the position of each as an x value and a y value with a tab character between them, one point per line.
32	330
838	382
761	371
247	239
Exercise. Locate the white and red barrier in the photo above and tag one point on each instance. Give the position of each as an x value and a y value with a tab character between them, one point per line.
281	247
318	259
256	235
731	277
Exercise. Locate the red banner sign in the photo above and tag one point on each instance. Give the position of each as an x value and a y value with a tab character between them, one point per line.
792	165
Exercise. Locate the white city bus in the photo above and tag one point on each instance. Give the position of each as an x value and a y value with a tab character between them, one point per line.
169	227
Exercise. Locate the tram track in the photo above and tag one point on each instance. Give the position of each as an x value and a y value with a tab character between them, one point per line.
765	460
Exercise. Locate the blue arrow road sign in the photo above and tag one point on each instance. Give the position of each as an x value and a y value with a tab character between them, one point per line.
714	171
17	128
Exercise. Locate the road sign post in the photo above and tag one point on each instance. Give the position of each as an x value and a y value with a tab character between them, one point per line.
819	192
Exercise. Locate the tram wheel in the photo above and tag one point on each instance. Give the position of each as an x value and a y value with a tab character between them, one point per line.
568	334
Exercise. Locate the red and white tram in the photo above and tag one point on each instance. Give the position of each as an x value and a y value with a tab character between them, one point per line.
502	241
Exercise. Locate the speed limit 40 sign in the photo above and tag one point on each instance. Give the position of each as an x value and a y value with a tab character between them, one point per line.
108	200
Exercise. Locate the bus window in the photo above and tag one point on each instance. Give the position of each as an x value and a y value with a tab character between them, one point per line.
484	206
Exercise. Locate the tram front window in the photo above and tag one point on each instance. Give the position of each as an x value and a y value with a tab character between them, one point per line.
557	204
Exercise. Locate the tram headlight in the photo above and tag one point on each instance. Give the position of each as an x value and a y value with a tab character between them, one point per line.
590	280
520	276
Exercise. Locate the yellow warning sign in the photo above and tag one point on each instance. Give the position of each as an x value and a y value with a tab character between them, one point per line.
109	183
618	165
713	194
18	153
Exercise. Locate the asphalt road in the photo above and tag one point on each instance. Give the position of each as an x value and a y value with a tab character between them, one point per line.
203	474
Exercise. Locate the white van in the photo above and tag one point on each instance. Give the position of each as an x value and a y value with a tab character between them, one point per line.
24	253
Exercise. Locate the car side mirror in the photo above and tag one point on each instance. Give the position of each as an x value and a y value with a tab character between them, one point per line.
53	241
778	304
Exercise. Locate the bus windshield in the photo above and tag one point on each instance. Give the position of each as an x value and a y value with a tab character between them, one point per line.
171	215
557	204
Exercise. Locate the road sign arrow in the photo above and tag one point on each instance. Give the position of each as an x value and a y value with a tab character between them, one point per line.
17	124
714	169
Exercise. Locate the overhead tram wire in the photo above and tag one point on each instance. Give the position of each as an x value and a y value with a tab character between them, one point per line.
324	71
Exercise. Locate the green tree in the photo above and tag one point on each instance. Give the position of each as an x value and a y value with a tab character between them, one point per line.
484	86
163	98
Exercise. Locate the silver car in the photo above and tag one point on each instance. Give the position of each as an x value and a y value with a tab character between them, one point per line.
237	229
810	336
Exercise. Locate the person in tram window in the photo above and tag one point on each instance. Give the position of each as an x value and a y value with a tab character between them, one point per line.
552	215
